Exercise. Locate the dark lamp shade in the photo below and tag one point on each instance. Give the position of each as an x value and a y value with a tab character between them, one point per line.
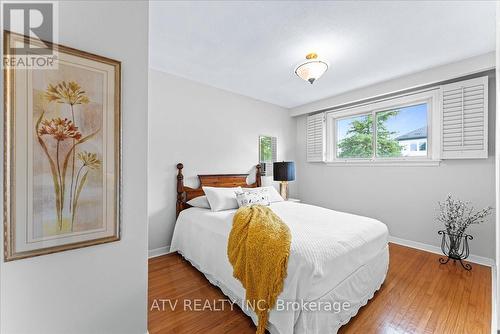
284	171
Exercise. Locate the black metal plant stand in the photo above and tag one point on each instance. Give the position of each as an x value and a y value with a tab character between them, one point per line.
455	247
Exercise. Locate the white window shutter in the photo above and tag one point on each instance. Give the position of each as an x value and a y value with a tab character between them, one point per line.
464	132
274	147
316	138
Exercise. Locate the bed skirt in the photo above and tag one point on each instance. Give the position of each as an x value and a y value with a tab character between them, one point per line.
354	292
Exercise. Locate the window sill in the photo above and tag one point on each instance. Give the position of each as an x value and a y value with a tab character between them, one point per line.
398	163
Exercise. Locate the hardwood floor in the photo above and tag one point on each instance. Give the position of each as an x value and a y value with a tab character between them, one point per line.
418	296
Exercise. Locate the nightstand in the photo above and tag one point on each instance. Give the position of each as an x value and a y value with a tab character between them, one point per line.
295	200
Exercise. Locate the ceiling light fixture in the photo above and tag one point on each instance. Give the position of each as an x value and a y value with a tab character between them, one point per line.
312	69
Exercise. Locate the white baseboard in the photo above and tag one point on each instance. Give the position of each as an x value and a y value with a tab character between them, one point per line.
158	251
434	249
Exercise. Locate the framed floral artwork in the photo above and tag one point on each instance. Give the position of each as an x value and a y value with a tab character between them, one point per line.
61	153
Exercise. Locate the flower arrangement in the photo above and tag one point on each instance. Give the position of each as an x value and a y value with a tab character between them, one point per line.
64	156
457	215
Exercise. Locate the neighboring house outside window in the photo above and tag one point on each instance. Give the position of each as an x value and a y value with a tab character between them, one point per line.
414	143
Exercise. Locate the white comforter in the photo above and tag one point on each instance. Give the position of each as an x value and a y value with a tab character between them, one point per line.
327	247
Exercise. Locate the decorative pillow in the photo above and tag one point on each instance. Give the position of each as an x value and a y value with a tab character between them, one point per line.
221	198
254	196
274	196
200	202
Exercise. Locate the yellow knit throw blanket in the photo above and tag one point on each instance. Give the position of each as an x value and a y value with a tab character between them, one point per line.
258	249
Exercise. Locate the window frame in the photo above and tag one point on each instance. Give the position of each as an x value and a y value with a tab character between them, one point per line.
274	156
431	97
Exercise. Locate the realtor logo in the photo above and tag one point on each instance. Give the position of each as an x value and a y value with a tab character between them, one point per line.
35	20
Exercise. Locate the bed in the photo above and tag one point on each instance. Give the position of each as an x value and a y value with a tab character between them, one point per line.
337	260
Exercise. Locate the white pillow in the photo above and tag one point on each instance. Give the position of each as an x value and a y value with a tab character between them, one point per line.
254	196
199	202
222	198
274	196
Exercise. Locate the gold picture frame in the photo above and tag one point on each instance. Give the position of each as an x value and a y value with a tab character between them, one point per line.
69	117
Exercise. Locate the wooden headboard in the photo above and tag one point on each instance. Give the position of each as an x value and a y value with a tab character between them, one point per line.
185	194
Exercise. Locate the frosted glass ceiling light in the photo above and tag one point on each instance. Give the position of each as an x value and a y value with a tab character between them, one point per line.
312	69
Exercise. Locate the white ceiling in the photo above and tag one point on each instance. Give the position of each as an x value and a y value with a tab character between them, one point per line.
251	48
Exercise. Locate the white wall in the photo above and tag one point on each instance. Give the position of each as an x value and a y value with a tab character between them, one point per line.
430	76
210	131
99	289
404	198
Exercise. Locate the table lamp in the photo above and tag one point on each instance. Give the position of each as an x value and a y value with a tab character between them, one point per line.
284	171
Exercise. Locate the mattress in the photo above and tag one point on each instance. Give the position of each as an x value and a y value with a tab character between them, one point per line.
332	254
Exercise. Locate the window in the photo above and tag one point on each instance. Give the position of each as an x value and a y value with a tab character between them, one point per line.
267	154
398	129
419	128
397	132
355	137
